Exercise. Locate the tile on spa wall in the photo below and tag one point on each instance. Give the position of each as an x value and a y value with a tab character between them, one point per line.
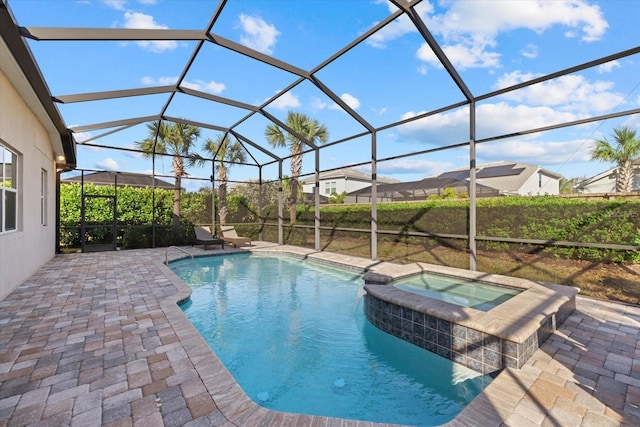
459	331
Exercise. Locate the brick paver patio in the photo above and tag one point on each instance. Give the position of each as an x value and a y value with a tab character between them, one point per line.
97	339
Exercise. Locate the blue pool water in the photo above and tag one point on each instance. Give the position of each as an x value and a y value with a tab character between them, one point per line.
294	336
467	293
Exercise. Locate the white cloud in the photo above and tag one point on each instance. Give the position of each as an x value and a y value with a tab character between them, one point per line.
500	119
115	4
491	120
81	136
566	93
536	151
399	27
318	104
530	51
137	20
160	81
214	87
108	164
210	86
287	100
379	111
469	29
461	56
608	67
412	166
513	78
348	99
633	121
488	18
257	34
147	2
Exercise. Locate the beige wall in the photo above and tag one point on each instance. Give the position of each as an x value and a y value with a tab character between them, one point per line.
23	251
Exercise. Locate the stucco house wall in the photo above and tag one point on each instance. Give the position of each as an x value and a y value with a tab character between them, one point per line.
539	184
26	249
342	184
605	182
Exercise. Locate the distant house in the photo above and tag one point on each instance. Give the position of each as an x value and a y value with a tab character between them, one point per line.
340	180
512	178
605	182
418	190
121	178
492	180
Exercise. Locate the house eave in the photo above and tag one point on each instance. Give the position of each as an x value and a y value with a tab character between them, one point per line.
20	68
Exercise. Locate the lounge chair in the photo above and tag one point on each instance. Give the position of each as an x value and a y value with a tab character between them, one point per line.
230	236
204	237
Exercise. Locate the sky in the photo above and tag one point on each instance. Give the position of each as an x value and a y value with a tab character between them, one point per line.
390	76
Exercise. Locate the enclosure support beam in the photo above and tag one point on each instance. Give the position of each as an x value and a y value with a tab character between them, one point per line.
153	201
472	186
213	198
82	213
374	198
153	189
260	205
280	231
316	202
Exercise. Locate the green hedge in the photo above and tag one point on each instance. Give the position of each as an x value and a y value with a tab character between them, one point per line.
541	218
135	212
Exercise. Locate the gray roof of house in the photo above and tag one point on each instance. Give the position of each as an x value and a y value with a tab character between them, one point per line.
491	179
349	173
503	176
124	178
423	188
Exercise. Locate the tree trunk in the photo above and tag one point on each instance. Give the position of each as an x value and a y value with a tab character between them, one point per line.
223	210
175	221
296	166
624	178
222	195
293	200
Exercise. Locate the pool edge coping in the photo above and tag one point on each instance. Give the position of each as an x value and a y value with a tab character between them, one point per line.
234	404
238	408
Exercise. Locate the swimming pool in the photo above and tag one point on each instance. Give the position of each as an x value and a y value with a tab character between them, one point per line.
294	336
457	290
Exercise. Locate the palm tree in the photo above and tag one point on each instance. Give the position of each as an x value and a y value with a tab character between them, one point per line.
336	198
176	139
308	128
225	150
627	149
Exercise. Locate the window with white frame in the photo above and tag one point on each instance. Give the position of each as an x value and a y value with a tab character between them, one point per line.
329	187
8	189
43	197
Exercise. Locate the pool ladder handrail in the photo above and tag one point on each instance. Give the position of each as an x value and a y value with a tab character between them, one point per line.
166	254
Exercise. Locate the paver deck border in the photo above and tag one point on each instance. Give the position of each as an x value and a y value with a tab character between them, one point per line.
586	374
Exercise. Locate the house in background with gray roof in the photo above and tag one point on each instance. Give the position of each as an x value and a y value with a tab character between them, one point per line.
120	178
492	180
605	182
512	178
418	190
342	180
